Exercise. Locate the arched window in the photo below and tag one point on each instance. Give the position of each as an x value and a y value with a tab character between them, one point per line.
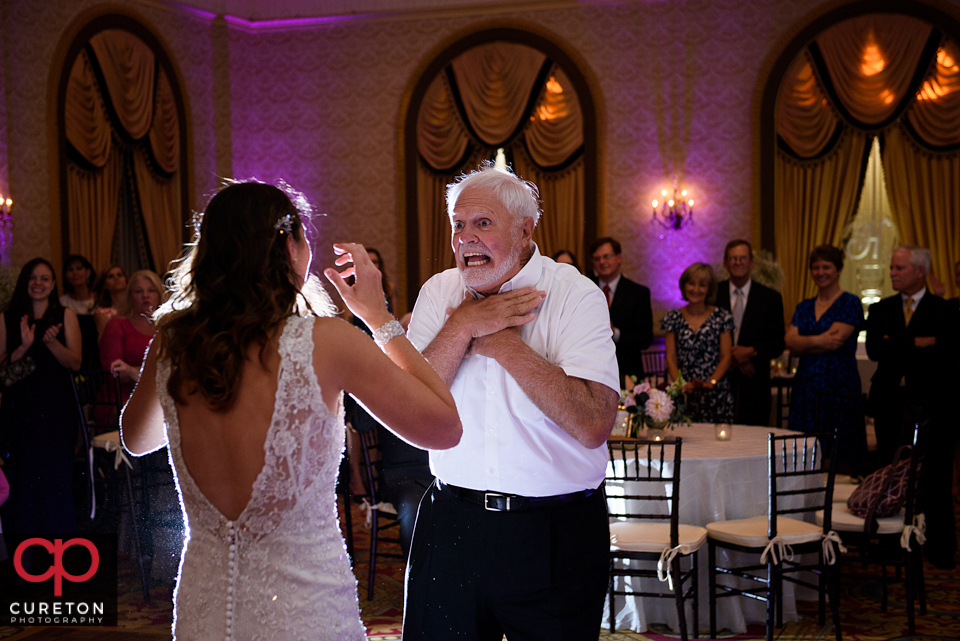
500	94
122	148
861	136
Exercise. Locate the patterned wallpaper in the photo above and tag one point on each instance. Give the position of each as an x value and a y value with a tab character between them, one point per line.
319	106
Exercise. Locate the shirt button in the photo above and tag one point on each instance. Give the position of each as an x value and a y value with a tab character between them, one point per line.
490	391
493	470
491	430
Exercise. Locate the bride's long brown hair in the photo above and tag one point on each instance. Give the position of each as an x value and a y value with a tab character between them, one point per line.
235	286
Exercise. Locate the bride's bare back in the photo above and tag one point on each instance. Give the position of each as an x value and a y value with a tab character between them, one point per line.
224	450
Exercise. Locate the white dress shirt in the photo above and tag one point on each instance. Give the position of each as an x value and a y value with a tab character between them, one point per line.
508	444
745	293
613	292
916	298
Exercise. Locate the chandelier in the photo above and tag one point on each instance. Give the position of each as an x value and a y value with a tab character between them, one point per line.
674	213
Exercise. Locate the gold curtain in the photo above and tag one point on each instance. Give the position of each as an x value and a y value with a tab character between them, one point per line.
87	127
128	69
561	193
871	61
495	82
165	130
555	131
924	190
441	137
935	115
805	120
814	199
144	103
159	202
92	208
434	227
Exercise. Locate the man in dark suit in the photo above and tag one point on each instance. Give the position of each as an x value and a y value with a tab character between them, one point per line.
757	336
913	337
631	316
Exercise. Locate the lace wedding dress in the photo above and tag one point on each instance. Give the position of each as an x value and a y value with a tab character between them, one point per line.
280	570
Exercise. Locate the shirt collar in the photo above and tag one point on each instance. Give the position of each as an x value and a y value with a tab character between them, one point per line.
611	284
916	297
745	289
528	276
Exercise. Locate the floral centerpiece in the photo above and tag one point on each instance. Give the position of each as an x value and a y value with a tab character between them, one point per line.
657	409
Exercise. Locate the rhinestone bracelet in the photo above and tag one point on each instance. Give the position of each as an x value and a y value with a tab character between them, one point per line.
387	332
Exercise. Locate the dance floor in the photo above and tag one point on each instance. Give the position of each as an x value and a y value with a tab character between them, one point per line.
860	609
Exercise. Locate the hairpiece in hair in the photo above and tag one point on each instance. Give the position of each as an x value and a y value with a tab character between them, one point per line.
284	224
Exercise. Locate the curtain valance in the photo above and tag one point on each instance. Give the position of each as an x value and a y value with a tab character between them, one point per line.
935	116
868	69
495	83
138	92
871	62
87	127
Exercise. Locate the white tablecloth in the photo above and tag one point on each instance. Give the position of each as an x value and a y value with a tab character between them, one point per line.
720	480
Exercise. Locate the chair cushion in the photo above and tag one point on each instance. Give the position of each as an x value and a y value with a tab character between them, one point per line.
753	532
101	440
642	536
842	491
843	520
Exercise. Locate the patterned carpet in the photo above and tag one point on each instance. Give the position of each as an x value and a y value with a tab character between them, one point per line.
860	608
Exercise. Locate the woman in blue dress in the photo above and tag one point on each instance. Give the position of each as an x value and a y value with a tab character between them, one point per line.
824	334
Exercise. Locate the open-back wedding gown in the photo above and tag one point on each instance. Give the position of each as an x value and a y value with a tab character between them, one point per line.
280	570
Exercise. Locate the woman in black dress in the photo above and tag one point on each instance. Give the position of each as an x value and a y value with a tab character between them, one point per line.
699	339
38	421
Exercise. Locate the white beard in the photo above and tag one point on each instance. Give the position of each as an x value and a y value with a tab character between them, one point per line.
478	278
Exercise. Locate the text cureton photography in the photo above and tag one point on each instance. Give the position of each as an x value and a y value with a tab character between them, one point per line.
60	580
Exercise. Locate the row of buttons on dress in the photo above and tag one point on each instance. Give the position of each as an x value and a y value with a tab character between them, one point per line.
232	564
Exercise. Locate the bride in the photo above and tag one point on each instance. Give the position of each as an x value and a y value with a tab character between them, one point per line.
245	382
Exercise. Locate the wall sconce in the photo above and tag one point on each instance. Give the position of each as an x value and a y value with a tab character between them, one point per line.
675	213
6	229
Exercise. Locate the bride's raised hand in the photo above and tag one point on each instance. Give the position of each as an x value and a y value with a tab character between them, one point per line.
365	297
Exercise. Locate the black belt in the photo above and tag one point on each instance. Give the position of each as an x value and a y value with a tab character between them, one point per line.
500	502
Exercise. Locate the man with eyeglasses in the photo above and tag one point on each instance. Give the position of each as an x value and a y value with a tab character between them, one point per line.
631	316
757	336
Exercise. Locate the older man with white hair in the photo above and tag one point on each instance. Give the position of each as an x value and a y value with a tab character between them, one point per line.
913	337
512	538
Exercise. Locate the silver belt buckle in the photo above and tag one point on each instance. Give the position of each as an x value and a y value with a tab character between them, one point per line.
486	502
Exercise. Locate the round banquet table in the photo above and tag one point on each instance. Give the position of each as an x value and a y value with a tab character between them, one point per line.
719	480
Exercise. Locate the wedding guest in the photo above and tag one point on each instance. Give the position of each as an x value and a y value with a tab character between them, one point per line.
698	343
567	258
41	344
245	382
913	337
78	287
823	333
389	291
110	289
631	316
78	279
757	332
513	538
127	335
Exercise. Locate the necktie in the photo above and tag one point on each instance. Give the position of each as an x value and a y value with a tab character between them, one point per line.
908	310
737	313
606	292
